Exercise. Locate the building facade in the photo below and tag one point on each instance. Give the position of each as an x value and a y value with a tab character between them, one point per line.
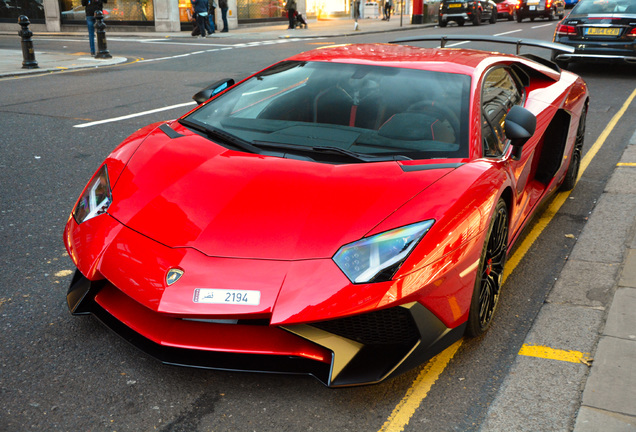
147	15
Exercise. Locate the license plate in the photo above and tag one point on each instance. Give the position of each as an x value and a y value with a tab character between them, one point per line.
223	296
602	31
532	8
454	5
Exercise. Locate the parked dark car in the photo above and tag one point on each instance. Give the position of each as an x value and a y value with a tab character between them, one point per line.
462	11
599	30
532	9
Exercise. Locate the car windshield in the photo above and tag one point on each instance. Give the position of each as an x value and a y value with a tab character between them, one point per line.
605	7
355	111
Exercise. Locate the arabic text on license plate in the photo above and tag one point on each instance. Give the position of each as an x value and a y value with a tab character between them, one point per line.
224	296
602	31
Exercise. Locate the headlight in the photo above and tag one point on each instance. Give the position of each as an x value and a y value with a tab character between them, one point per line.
377	258
95	199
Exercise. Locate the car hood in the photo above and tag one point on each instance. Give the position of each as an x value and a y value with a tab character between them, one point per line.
190	192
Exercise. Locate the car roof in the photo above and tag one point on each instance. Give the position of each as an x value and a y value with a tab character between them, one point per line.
449	60
452	60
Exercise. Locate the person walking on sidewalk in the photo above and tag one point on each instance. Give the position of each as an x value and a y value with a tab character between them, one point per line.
223	6
388	6
201	14
290	7
211	16
92	6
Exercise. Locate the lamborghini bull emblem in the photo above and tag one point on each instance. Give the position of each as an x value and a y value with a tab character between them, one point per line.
173	276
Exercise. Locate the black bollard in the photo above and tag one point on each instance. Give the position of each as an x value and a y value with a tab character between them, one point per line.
28	53
100	28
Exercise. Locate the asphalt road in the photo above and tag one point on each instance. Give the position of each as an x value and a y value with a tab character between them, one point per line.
59	372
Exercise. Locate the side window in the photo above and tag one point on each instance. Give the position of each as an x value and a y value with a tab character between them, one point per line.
500	92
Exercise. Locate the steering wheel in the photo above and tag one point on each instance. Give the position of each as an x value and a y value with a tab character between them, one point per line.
438	111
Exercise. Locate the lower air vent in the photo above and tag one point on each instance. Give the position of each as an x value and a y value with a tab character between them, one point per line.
383	327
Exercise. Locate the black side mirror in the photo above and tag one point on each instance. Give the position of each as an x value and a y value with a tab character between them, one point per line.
212	90
519	125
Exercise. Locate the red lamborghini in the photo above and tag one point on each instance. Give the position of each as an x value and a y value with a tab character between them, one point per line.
345	213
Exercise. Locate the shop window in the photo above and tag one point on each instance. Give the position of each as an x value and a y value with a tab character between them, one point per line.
115	12
10	10
260	9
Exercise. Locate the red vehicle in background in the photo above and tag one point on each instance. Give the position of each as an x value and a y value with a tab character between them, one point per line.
507	9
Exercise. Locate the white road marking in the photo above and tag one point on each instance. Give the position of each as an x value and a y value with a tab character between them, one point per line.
455	44
543	25
509	32
139	114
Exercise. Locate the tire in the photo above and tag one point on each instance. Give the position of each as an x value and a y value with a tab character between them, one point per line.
490	275
575	161
519	18
552	15
493	17
477	18
460	22
512	16
443	23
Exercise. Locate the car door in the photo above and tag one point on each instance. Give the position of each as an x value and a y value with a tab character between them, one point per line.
501	90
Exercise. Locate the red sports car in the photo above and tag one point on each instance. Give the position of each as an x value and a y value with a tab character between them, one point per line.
507	9
345	213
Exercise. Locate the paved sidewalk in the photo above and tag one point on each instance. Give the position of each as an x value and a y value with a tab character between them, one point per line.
596	291
11	60
595	299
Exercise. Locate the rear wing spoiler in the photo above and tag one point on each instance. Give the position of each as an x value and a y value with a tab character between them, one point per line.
493	39
555	47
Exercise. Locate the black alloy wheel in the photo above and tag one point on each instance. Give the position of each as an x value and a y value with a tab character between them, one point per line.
490	277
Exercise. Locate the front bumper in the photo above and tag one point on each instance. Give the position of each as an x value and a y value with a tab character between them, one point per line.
362	349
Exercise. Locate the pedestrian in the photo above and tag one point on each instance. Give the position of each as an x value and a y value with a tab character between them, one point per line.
92	6
223	6
192	20
212	15
201	14
290	7
356	14
388	5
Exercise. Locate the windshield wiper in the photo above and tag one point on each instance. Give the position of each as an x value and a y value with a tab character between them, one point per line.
333	150
359	156
218	134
